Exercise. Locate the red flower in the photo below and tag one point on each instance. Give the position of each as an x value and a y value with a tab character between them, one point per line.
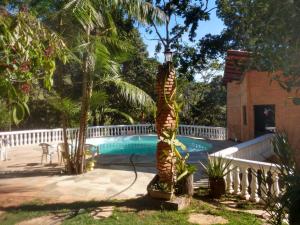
24	67
25	88
49	51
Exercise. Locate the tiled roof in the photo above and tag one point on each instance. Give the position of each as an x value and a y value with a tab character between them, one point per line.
233	66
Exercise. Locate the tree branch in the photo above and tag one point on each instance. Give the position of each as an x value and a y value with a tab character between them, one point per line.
160	37
212	9
179	33
206	5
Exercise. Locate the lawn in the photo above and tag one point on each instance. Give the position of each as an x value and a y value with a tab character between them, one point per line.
141	211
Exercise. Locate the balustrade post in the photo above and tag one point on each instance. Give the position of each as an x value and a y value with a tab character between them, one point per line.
229	188
254	187
275	185
245	183
21	139
237	181
29	138
264	188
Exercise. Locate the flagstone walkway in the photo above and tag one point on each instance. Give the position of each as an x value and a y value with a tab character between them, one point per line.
23	178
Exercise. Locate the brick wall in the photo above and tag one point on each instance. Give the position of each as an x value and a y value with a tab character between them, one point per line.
234	111
256	89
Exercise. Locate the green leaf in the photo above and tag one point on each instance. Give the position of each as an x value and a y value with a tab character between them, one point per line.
18	113
182	175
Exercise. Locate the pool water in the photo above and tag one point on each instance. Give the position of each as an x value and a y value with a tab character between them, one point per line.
143	145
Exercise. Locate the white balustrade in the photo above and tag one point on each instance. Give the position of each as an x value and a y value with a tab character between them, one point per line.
216	133
32	137
249	156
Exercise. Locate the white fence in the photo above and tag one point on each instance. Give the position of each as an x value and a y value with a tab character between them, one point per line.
32	137
247	168
215	133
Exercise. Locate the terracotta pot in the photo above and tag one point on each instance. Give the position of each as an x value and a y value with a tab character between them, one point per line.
158	194
217	187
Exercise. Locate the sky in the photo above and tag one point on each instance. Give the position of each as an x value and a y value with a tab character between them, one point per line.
213	26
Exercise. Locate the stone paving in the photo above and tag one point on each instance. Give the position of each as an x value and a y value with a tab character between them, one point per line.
204	219
23	178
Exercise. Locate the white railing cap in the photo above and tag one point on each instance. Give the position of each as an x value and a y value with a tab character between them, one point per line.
229	151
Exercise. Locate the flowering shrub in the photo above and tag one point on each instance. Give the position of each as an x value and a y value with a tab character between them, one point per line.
27	53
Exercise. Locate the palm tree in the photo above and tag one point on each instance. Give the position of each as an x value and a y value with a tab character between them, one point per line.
97	28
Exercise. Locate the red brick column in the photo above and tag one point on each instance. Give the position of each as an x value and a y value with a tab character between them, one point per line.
165	119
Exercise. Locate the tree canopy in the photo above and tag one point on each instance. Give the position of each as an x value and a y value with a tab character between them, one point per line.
269	30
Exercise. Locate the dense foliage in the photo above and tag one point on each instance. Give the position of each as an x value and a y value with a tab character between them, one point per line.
28	52
135	68
270	31
204	103
286	205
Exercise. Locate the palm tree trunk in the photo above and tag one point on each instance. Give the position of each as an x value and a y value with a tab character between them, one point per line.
85	104
70	166
87	87
166	119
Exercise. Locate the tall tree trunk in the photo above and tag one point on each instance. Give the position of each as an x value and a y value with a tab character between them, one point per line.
70	166
87	87
165	120
85	104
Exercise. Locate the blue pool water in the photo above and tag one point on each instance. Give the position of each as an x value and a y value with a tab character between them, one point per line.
142	144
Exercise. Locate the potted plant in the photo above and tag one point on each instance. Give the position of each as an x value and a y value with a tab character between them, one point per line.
216	169
185	176
159	190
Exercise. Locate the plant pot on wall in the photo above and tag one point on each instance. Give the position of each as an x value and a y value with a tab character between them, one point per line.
156	192
217	187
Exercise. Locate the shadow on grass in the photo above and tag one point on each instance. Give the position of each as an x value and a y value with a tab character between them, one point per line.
138	204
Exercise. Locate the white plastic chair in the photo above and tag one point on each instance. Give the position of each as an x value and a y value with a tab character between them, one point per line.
46	152
3	149
61	152
3	153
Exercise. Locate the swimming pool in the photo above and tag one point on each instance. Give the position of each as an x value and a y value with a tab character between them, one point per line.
143	144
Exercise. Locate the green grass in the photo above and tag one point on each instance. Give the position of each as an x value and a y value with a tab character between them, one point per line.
137	212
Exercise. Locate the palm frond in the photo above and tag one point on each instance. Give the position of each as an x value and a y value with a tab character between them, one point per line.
99	98
131	92
64	105
92	14
143	11
125	115
114	44
104	63
86	13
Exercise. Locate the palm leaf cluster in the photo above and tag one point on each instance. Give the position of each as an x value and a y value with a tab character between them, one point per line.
100	107
217	167
93	14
